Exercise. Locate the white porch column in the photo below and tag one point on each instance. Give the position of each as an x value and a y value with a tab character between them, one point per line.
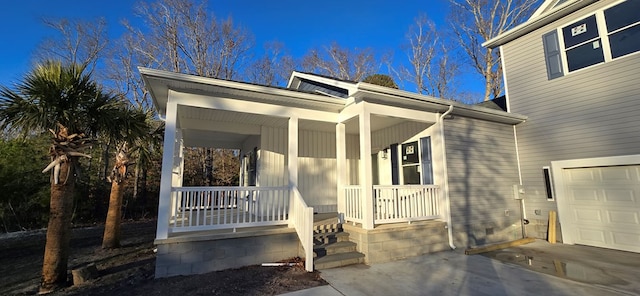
292	155
366	180
166	179
341	167
178	160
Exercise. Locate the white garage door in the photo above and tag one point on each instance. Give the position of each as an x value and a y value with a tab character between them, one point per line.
601	206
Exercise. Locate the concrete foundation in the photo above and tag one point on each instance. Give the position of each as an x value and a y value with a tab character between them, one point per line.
391	242
204	252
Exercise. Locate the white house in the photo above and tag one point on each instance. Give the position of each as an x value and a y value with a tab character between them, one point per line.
574	69
407	174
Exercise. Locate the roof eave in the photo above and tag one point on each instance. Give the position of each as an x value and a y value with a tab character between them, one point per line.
536	23
148	73
437	105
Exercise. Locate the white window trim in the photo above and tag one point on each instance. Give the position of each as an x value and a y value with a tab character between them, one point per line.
603	35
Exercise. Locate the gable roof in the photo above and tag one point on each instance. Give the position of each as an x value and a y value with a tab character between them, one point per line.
549	11
159	83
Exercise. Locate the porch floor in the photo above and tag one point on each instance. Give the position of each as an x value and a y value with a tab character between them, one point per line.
216	234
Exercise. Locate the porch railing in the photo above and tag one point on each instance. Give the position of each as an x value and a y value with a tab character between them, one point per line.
353	203
395	203
204	208
301	216
405	203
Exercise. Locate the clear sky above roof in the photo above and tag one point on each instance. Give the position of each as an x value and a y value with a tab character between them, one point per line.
300	25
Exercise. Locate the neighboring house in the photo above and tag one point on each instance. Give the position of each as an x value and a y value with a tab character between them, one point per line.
407	174
574	70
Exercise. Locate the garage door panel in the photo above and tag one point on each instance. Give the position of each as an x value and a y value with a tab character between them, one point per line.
619	174
587	215
582	194
620	195
623	217
630	240
582	175
602	206
591	236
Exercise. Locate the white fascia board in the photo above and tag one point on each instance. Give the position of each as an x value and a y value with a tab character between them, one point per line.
180	81
160	108
537	22
229	104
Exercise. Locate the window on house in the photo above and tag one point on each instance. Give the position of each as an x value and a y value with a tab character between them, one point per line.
623	27
410	163
548	183
584	46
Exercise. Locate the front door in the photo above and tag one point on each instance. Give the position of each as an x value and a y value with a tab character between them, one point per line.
416	162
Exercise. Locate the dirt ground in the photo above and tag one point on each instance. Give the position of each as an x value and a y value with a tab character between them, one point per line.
129	270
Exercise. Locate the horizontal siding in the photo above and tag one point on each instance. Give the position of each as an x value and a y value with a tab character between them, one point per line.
398	133
482	168
591	112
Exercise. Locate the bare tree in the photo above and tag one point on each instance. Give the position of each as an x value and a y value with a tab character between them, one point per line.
179	36
274	67
339	62
79	42
430	66
421	50
475	21
182	36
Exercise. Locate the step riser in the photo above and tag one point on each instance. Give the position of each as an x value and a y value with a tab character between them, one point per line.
329	240
332	251
327	230
341	263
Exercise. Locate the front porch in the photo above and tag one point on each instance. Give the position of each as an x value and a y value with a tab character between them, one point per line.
301	153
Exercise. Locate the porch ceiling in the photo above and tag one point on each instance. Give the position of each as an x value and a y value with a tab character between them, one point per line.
227	129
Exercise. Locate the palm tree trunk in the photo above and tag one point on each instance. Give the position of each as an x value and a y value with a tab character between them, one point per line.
56	252
111	238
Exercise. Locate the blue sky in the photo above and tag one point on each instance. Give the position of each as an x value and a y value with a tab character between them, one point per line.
300	25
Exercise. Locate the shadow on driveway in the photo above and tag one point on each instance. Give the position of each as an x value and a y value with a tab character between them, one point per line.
453	273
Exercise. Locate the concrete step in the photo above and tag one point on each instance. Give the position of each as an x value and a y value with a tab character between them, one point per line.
334	248
330	237
338	260
323	228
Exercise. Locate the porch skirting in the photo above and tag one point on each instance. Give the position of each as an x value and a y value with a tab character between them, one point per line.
207	252
390	242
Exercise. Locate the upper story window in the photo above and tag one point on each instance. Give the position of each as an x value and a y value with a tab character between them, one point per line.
606	35
623	28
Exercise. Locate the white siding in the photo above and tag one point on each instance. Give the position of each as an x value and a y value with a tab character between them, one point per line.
271	157
398	133
591	112
317	168
482	169
316	164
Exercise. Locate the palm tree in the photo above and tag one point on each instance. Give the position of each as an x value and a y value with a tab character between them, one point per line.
64	97
135	129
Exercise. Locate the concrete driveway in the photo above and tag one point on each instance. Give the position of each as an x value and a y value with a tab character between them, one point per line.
534	269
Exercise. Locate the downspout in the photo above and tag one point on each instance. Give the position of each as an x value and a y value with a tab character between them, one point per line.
445	188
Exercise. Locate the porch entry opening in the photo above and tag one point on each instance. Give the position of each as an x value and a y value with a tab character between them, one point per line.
417	162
